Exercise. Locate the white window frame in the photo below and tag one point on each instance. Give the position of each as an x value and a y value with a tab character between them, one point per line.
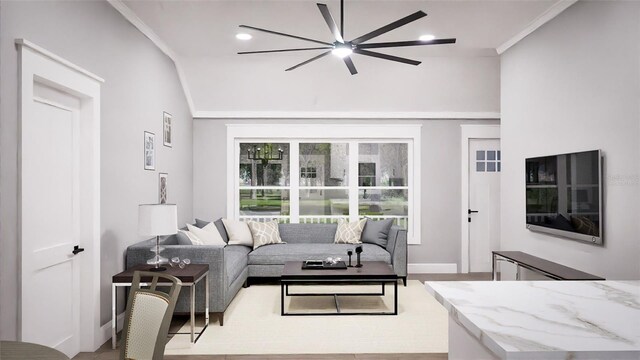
351	133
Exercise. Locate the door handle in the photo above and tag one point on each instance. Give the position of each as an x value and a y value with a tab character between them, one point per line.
77	249
472	211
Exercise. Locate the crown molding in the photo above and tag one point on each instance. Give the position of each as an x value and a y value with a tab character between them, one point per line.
28	44
544	18
260	115
146	30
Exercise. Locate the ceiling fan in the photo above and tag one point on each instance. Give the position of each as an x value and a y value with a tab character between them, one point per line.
344	49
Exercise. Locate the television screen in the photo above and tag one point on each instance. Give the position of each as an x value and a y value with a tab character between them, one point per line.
564	195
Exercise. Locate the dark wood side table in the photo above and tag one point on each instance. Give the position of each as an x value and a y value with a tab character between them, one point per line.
190	276
547	268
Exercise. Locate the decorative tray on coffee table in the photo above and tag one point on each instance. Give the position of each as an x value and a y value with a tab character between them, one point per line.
323	265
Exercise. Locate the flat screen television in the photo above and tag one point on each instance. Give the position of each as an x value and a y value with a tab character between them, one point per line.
564	195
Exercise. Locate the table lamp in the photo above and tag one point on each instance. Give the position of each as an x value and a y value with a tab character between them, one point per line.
157	220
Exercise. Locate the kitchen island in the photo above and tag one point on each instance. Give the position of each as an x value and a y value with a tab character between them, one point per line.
541	319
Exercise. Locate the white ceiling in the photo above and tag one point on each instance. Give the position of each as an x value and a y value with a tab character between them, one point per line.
201	32
208	28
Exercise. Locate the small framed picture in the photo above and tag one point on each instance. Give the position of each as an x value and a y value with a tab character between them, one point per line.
162	186
166	126
149	151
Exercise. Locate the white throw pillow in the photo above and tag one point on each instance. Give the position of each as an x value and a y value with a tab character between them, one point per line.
238	231
192	237
208	235
349	232
265	233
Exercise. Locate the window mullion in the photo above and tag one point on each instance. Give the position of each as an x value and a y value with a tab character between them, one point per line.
353	180
294	181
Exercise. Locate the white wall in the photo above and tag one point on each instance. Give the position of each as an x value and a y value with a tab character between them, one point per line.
259	83
141	83
440	155
574	84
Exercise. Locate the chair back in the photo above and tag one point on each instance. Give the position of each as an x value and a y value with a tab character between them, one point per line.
148	316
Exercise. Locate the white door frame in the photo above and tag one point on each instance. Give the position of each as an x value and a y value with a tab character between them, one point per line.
469	132
39	65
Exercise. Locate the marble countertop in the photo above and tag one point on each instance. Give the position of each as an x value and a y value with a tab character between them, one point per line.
547	319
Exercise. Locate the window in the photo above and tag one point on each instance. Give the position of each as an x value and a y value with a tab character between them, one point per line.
293	175
264	190
488	161
323	190
382	182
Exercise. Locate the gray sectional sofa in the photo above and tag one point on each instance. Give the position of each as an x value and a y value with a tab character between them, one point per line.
232	266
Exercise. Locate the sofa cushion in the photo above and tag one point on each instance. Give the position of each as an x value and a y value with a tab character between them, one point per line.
223	232
201	223
208	235
264	233
218	223
235	260
308	233
238	231
278	254
183	237
349	232
377	232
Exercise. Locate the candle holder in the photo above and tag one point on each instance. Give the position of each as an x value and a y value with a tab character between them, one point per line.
349	253
358	252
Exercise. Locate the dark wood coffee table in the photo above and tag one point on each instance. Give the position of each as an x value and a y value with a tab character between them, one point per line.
372	272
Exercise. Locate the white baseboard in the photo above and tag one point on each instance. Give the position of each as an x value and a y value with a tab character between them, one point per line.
432	268
105	330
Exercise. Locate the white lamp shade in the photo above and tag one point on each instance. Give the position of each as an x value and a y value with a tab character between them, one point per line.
157	219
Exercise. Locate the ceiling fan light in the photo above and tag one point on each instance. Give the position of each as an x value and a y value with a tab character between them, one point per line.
342	52
243	36
427	37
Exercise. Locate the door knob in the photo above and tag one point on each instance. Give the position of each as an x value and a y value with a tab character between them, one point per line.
77	249
472	211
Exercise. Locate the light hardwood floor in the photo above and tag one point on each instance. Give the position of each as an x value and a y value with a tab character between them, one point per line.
106	353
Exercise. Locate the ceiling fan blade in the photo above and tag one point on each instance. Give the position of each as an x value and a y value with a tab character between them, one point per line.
282	50
394	25
326	14
406	43
387	57
308	61
287	35
342	18
349	63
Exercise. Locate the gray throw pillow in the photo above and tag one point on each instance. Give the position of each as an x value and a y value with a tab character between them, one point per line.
183	239
219	225
201	223
221	229
377	232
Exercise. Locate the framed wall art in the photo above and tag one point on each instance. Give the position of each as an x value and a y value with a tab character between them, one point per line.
149	151
166	126
162	188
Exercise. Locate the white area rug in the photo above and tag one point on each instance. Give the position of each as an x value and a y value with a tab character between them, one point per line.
253	325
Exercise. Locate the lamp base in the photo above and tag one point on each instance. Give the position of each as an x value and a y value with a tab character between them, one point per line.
160	268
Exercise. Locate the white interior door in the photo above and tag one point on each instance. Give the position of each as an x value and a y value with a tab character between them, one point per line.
50	221
484	202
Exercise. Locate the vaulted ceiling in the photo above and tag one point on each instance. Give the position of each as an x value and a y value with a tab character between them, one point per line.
201	36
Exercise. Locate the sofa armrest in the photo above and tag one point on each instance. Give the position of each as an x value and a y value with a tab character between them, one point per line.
397	247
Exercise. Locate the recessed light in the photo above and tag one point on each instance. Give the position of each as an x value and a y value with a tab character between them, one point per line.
427	37
243	36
